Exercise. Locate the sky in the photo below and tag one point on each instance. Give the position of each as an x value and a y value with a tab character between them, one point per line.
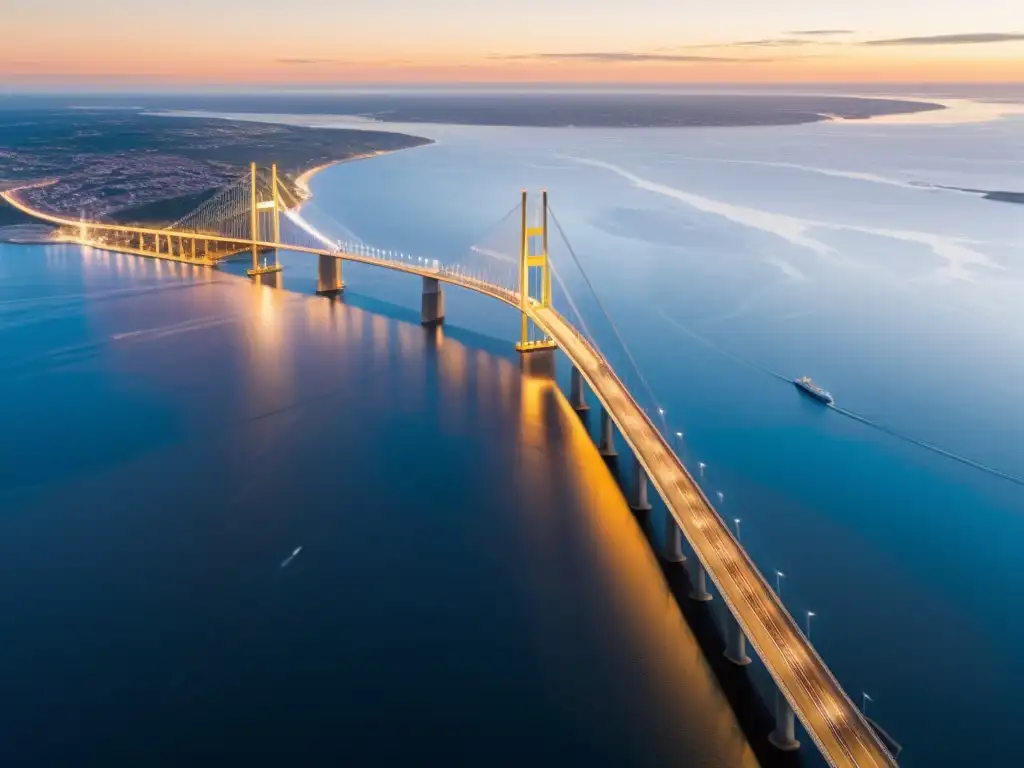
77	43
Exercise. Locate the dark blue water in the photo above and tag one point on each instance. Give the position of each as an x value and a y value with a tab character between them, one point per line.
470	585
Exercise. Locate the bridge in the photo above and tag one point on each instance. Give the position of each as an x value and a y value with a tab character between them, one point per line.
246	218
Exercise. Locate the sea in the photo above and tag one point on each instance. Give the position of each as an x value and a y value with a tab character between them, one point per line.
242	519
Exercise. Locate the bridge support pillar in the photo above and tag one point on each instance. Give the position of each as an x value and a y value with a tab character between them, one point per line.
735	642
607	445
432	305
639	502
784	735
328	277
699	590
673	552
577	396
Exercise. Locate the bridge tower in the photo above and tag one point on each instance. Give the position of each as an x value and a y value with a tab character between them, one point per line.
255	222
534	262
256	205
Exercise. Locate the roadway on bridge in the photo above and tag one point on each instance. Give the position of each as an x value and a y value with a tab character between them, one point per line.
833	721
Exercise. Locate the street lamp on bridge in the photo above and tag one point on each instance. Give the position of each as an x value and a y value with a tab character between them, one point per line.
810	615
779	576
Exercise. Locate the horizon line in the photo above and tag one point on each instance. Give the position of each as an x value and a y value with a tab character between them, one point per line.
142	89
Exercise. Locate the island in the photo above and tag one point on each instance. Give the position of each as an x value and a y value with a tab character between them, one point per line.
127	166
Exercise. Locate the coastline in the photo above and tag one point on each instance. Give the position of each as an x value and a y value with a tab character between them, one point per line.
303	179
9	195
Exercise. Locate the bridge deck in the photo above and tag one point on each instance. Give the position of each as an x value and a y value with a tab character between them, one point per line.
835	724
833	721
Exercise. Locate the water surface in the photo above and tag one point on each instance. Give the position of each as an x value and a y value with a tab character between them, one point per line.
470	583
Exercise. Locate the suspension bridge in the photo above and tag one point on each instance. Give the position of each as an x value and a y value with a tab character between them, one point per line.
258	215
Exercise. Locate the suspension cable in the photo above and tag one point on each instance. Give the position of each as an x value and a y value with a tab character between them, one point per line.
607	316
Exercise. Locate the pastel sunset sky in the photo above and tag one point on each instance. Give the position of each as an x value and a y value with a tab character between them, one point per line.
81	43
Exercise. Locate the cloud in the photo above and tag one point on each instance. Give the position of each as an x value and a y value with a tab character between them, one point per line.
820	32
343	62
958	39
768	42
311	61
626	57
772	42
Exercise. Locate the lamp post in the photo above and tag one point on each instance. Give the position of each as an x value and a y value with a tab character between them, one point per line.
864	699
737	521
779	576
810	615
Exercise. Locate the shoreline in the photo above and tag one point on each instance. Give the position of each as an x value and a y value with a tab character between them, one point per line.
303	179
9	195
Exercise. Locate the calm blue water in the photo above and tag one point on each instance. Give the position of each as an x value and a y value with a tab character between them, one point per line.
470	585
726	255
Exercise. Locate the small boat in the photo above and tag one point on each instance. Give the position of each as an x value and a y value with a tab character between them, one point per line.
806	385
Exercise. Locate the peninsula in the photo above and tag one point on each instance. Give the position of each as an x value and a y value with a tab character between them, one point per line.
126	166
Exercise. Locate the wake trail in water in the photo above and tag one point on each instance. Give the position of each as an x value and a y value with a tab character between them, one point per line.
20	313
720	350
196	324
928	446
847	413
61	298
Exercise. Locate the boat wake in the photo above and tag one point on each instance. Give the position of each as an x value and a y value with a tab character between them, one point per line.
928	446
847	413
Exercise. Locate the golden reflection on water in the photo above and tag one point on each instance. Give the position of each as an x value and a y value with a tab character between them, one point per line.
666	652
453	375
269	362
380	329
97	262
358	325
410	342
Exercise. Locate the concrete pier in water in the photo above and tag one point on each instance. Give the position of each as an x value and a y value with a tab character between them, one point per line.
673	552
432	305
607	444
638	499
328	276
735	642
784	735
699	590
577	395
